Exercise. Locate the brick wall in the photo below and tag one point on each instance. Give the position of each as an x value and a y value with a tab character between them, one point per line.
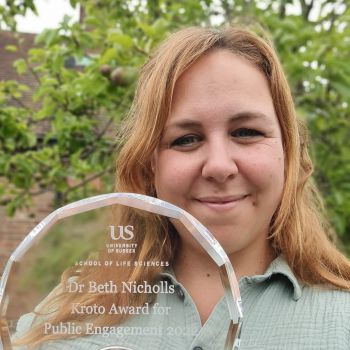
13	230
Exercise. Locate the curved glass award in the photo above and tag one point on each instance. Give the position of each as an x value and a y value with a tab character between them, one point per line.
97	274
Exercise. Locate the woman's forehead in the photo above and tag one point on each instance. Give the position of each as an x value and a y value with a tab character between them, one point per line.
221	82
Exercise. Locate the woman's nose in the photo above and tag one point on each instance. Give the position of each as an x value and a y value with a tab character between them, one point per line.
220	164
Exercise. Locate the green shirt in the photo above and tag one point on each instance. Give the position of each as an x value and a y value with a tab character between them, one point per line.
278	313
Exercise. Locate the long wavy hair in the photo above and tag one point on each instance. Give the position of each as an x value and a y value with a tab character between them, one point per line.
298	229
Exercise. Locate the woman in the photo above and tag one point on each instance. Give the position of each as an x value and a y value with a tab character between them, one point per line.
213	130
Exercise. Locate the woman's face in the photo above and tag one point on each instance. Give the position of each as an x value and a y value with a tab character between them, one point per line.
221	156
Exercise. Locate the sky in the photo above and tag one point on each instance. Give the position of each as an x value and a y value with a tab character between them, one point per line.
51	12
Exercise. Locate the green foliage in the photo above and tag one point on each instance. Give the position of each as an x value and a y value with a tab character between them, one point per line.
70	241
112	42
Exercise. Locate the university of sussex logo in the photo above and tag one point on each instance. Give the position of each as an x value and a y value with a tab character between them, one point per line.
125	233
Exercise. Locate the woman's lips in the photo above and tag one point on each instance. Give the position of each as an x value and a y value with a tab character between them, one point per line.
222	203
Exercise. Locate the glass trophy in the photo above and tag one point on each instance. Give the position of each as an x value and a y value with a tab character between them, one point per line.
97	274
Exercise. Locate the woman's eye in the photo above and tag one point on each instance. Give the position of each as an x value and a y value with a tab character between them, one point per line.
187	140
245	133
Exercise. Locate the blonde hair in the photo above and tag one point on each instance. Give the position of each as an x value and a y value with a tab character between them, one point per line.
298	229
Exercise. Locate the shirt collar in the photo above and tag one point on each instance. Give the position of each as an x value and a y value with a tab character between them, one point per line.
278	267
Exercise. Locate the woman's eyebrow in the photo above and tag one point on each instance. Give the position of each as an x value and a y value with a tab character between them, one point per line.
184	124
195	124
249	115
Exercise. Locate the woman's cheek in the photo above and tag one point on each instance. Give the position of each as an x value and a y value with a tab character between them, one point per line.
264	170
171	174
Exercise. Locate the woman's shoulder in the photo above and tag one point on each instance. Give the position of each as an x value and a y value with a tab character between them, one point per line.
284	287
328	296
24	324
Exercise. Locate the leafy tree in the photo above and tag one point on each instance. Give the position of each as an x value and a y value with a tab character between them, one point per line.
82	105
